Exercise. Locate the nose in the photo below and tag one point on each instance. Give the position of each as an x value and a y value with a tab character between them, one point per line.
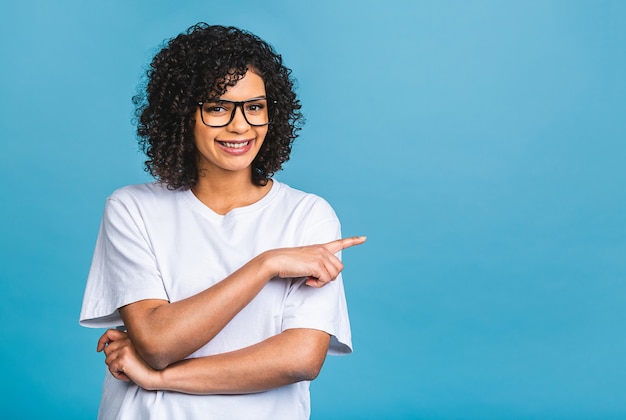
239	124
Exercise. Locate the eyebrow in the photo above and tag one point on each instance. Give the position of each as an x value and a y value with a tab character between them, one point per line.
256	98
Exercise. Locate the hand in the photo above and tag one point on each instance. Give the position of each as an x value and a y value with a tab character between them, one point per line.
317	263
123	361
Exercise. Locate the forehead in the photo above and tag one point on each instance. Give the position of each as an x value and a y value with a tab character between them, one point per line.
249	86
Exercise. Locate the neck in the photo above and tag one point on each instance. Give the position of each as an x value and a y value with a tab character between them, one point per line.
228	191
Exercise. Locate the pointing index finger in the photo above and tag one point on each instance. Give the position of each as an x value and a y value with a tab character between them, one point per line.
339	244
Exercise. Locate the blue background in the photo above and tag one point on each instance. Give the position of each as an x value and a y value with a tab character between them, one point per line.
479	144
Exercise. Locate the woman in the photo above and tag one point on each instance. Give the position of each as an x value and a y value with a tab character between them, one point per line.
225	280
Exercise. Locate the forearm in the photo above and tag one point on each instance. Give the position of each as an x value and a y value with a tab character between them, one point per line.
164	333
290	357
168	332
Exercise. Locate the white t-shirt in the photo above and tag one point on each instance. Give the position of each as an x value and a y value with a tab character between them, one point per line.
160	244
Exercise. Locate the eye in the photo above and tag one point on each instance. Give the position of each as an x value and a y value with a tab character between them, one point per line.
254	107
216	108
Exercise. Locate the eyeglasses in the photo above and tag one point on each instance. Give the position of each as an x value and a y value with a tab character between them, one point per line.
220	113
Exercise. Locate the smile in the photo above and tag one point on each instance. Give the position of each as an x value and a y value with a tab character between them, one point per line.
234	145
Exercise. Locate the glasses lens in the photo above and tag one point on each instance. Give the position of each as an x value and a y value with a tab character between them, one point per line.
220	113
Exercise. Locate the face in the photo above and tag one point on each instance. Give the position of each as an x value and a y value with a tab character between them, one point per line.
232	148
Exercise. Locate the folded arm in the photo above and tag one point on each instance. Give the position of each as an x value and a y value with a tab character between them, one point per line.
163	333
292	356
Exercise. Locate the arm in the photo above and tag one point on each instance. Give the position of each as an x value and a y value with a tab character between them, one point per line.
164	332
292	356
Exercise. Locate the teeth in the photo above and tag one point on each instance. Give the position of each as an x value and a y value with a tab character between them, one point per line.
236	145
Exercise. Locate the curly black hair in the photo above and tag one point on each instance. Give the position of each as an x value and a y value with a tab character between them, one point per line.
199	64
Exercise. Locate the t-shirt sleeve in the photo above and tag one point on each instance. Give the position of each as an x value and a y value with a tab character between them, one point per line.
123	269
324	308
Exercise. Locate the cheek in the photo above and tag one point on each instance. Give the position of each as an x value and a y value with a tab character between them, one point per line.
262	134
203	135
200	130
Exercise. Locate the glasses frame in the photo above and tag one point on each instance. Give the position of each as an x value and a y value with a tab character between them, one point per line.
236	104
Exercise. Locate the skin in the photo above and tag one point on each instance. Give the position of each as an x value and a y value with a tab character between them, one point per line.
161	334
224	176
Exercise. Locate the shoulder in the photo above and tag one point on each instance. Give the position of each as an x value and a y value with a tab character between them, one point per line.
148	195
307	213
312	204
139	191
143	200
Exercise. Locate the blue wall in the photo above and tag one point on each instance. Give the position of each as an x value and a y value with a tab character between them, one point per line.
481	146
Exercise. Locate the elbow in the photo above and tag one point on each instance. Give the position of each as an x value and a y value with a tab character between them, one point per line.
156	358
309	373
308	353
308	366
149	346
156	363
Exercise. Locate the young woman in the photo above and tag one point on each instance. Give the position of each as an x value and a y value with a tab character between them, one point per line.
225	283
